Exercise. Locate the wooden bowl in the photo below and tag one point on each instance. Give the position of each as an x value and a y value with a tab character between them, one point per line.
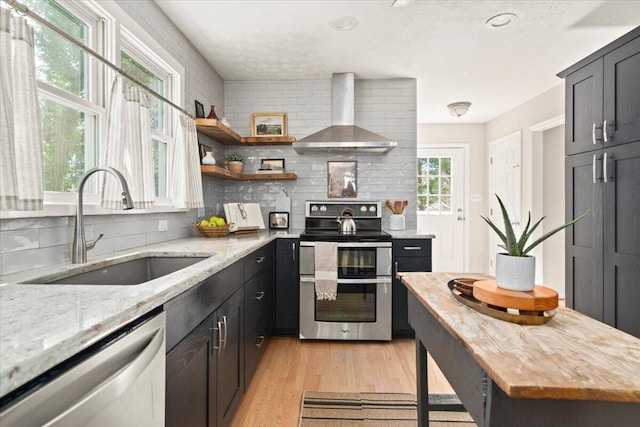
213	231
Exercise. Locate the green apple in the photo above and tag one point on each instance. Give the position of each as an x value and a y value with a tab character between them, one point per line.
204	223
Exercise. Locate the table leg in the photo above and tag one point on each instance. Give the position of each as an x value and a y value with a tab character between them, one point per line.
422	385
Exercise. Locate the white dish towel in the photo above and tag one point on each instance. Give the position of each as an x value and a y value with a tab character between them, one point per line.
326	260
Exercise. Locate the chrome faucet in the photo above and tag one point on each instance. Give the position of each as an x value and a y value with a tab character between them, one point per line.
80	245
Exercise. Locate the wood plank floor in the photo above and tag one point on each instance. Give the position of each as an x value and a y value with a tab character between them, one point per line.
291	366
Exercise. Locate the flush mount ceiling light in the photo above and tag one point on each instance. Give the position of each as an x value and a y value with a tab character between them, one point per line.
346	23
458	108
401	3
501	20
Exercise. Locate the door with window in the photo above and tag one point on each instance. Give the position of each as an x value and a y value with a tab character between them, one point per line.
441	204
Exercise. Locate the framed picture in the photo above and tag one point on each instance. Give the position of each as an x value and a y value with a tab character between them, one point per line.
278	220
199	110
272	164
341	180
268	124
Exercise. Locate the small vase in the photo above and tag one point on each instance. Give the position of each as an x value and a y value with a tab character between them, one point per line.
208	159
517	273
212	113
235	167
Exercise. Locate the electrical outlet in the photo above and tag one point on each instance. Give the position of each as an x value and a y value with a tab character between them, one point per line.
163	225
201	211
476	198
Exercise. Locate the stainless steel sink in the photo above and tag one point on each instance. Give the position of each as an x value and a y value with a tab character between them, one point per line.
133	272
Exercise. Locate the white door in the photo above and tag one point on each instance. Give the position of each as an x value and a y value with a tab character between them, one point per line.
441	207
504	180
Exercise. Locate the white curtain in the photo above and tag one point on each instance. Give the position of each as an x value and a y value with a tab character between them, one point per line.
129	147
21	147
185	184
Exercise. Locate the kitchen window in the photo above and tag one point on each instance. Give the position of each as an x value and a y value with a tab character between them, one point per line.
74	87
434	185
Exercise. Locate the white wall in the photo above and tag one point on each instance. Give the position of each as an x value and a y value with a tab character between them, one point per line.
553	208
474	136
542	108
536	110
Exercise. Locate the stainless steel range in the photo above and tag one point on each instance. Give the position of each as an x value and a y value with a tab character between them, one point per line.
345	272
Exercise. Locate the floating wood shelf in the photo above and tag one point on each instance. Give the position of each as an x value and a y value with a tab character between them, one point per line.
223	173
225	135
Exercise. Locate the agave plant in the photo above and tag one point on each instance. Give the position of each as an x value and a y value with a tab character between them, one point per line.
518	246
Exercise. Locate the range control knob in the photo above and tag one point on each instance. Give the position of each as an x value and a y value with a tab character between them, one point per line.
323	208
363	208
372	209
314	208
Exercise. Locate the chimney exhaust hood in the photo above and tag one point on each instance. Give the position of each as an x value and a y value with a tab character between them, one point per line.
343	137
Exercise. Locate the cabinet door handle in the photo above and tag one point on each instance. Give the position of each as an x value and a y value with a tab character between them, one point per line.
259	295
224	341
596	178
605	136
261	338
219	346
293	251
608	174
259	260
412	248
593	134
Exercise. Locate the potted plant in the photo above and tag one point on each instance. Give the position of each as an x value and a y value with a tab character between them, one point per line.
515	269
234	163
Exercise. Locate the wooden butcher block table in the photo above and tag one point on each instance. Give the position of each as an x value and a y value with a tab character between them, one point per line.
571	371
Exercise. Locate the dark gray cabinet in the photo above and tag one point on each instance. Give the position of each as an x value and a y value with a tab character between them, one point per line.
603	176
258	305
287	288
408	255
205	359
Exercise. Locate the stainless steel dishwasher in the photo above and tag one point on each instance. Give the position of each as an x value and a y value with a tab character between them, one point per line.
120	382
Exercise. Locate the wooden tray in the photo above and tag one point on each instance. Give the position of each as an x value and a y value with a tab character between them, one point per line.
540	298
521	317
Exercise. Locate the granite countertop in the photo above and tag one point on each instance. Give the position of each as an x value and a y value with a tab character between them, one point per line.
43	325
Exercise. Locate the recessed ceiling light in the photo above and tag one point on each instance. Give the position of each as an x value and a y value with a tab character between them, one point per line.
401	3
346	23
501	20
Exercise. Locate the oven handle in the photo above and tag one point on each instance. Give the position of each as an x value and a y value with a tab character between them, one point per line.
353	244
379	279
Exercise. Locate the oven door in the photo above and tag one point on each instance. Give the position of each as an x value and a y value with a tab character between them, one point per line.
355	259
361	310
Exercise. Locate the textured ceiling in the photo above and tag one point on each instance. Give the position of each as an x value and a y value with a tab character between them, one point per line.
445	45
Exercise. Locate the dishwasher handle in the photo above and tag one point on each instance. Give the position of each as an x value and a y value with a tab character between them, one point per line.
86	389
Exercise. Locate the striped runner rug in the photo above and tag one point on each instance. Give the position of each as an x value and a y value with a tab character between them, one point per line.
327	409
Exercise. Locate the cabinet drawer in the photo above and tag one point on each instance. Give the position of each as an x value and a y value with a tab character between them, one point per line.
255	344
411	248
256	260
257	300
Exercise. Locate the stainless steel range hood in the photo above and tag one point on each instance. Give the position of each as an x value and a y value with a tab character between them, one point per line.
343	137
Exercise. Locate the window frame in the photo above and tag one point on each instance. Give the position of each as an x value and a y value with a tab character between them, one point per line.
109	29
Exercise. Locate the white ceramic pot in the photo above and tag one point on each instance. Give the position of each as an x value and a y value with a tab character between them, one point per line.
515	272
396	222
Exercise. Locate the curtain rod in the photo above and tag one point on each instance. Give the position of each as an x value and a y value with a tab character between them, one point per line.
24	10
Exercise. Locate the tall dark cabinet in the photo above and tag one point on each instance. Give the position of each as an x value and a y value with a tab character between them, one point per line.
603	176
287	287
